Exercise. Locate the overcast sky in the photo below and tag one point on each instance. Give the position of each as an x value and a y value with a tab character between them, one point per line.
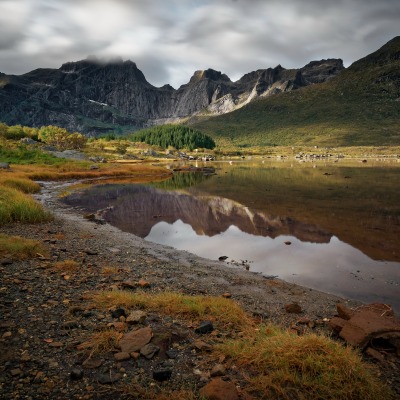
170	39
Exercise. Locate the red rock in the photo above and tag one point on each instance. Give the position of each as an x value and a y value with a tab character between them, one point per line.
367	323
227	295
293	308
135	340
122	356
142	283
218	389
343	311
91	363
337	323
202	346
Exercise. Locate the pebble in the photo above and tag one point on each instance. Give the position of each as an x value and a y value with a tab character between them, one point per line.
204	327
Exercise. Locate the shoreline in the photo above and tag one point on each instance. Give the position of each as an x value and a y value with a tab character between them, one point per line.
315	304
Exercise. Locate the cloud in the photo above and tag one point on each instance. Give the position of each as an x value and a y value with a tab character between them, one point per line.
170	40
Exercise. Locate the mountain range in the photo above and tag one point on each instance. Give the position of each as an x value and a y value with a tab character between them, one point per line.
264	107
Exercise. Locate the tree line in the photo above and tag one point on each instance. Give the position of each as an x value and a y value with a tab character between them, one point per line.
178	136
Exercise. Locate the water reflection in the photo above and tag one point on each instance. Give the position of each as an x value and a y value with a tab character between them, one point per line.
343	222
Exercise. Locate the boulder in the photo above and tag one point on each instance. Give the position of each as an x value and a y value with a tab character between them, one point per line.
360	326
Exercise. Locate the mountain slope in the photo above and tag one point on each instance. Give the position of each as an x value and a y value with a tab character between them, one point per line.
360	106
92	97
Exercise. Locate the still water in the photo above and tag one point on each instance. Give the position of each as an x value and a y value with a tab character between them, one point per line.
334	227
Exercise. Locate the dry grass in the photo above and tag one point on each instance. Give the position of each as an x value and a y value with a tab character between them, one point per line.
16	206
69	266
22	184
19	248
225	311
109	271
282	365
101	342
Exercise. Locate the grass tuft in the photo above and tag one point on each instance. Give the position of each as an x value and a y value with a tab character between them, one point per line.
16	206
24	185
67	266
19	248
225	311
101	342
282	365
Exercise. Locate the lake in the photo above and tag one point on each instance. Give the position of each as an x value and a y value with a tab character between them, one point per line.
324	225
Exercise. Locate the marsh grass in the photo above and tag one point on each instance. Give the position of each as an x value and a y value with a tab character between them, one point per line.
19	248
282	365
22	184
16	206
225	311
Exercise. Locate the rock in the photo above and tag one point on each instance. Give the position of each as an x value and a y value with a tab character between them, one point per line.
304	321
6	335
202	346
227	295
16	371
293	308
143	284
218	389
135	340
149	351
56	344
375	354
4	165
6	261
222	258
92	363
343	311
93	167
70	324
288	243
136	317
118	312
108	379
172	353
218	370
128	284
122	356
76	374
162	374
91	252
366	323
205	327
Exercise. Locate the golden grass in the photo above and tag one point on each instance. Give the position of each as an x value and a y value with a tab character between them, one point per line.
19	248
225	311
108	271
101	342
282	365
22	184
67	266
15	206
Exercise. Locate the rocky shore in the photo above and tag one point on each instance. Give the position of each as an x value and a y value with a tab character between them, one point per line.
46	314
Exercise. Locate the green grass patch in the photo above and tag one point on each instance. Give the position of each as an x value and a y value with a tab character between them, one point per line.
16	206
19	248
23	155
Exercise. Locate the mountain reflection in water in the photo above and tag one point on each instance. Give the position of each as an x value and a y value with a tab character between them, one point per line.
212	226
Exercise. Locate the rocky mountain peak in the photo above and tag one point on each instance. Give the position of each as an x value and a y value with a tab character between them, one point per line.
210	74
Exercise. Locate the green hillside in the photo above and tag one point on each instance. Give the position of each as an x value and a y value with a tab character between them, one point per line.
361	106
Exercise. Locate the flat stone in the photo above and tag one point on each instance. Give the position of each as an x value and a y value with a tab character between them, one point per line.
122	356
218	389
366	323
56	344
172	353
92	363
204	327
218	370
136	317
149	351
15	372
128	284
135	340
293	308
343	311
202	346
108	379
375	354
142	283
227	295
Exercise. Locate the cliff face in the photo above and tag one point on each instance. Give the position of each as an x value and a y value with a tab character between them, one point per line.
91	97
